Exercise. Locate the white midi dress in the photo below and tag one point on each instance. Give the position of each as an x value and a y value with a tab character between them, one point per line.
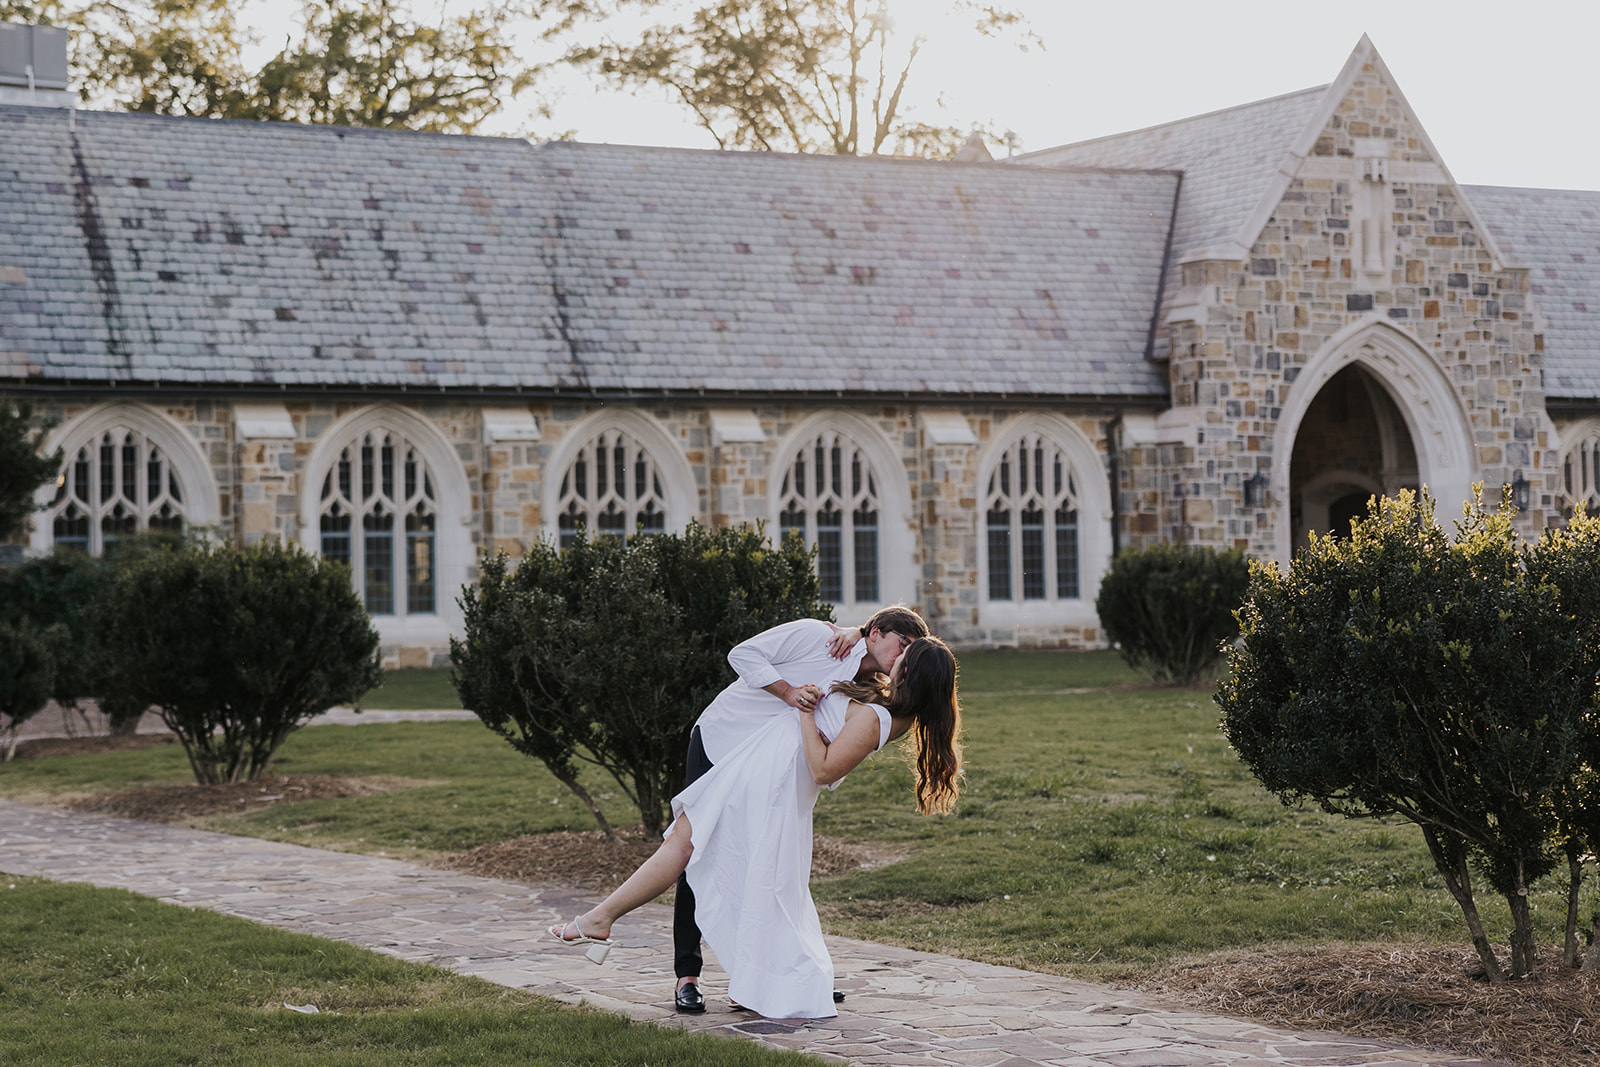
750	821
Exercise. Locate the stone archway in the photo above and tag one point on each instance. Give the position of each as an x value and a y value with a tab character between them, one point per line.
1404	390
1353	444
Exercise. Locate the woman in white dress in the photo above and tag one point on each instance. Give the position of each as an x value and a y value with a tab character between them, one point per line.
742	832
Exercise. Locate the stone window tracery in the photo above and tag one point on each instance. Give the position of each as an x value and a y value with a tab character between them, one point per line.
830	496
612	487
116	484
1580	473
1031	523
379	515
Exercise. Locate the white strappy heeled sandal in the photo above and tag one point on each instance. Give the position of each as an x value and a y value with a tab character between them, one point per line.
598	946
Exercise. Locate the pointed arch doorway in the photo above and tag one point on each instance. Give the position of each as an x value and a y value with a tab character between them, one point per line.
1353	444
1404	426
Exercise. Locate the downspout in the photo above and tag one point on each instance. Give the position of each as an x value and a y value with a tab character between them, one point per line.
1113	429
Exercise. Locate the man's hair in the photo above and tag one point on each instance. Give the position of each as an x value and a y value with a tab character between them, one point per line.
897	619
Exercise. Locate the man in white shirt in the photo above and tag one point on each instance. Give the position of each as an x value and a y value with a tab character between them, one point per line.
788	666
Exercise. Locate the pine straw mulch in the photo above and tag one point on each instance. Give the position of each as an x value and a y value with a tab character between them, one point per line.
42	747
586	860
175	803
1420	995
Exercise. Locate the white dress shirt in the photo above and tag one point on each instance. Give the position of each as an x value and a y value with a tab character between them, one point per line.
795	652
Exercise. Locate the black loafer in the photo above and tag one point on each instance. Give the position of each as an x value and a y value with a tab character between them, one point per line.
688	999
838	997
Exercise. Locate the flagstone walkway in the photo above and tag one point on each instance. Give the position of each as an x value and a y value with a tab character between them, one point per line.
903	1007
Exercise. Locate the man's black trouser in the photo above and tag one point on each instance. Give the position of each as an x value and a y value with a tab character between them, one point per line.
686	958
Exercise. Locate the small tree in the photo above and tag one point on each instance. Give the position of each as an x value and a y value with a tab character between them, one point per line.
22	469
1446	682
27	667
1170	608
237	648
606	652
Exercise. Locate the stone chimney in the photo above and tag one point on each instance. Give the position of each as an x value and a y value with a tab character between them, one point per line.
33	66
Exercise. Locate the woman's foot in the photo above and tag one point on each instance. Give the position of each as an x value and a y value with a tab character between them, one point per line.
582	930
574	933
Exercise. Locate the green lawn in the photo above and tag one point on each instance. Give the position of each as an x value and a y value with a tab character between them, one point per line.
101	976
1101	833
413	689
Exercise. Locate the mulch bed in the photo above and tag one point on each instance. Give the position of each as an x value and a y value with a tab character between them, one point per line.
585	859
174	803
42	747
1416	995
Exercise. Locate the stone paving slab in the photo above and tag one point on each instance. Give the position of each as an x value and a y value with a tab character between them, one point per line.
903	1007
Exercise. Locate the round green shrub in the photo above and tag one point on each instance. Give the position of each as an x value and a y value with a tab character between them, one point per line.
237	648
1170	608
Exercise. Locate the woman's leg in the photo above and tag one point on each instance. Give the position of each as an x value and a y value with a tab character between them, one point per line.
655	876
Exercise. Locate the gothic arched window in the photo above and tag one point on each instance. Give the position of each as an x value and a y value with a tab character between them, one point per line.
379	514
115	484
1031	523
830	496
1580	473
612	487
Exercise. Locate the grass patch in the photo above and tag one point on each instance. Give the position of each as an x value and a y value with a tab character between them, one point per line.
486	792
102	976
1102	834
412	689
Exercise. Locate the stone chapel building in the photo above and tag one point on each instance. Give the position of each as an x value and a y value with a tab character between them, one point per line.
968	383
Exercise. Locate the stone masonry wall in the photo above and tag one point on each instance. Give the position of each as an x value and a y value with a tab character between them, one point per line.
1252	326
262	483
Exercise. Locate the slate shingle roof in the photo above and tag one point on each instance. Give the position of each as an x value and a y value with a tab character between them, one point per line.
738	270
1228	159
145	248
181	250
1556	234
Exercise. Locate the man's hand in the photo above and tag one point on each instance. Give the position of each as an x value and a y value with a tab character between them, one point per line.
799	697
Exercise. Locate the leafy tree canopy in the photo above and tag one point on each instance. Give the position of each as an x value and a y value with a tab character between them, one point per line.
354	63
825	76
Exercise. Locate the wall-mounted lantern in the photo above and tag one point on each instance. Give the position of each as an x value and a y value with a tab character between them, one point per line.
1519	491
1255	490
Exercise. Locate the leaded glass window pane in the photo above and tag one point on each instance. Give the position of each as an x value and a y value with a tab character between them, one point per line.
999	554
419	564
612	489
116	485
829	496
1032	554
381	483
1032	479
1066	553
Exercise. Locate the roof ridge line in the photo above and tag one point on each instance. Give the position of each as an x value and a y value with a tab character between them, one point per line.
1177	122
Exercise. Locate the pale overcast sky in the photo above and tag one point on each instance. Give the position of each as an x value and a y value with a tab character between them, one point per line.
1507	91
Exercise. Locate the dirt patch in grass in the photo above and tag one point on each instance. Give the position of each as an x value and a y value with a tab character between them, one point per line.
43	747
1416	995
175	803
585	859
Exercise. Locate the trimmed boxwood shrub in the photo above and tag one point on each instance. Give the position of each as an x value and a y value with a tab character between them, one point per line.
607	651
1170	608
27	667
1450	682
237	648
65	589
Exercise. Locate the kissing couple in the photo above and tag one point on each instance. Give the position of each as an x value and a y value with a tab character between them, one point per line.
811	701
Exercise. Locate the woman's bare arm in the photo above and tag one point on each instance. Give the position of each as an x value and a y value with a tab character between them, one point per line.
829	762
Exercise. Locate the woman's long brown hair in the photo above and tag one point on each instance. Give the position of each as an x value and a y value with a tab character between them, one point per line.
925	692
